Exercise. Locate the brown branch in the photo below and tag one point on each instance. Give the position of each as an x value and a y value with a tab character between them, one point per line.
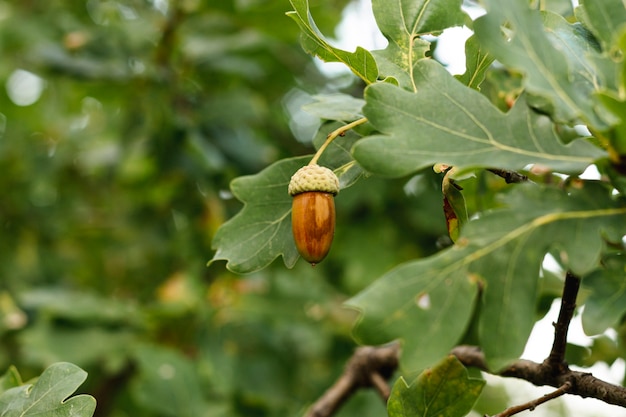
582	383
556	359
510	177
531	405
372	366
369	367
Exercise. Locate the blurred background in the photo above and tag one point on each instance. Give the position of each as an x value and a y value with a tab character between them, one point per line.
122	123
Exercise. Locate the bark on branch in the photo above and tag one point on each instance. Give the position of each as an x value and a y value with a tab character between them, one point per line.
369	367
372	366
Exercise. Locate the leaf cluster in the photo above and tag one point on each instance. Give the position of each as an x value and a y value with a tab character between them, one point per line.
541	101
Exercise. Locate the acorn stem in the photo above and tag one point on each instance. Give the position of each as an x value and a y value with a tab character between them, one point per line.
332	135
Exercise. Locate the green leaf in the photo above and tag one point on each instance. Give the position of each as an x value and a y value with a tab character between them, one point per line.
336	107
10	379
261	231
420	302
49	395
445	390
605	19
428	302
477	62
553	54
606	305
402	23
446	122
612	101
168	383
360	62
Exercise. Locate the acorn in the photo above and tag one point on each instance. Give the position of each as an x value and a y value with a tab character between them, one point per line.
313	188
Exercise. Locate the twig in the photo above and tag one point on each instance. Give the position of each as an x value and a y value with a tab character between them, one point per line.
556	359
531	405
369	367
509	176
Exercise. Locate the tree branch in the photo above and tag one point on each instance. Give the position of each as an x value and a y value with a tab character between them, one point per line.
510	177
556	359
583	384
372	366
369	367
531	405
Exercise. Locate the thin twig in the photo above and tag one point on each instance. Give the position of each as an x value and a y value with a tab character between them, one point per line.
531	405
381	385
556	359
509	176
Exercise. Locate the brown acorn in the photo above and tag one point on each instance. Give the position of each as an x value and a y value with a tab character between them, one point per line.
313	211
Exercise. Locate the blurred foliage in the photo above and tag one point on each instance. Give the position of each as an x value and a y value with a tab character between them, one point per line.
121	126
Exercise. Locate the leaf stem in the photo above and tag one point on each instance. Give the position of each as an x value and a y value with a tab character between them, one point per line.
333	135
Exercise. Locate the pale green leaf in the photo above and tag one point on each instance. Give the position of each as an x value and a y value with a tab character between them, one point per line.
361	62
477	62
48	396
427	303
335	107
560	7
605	19
553	54
402	23
446	122
10	379
444	390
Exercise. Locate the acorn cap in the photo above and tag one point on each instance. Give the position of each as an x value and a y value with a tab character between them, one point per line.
314	178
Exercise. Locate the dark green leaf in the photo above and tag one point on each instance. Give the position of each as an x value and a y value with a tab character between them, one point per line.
428	302
360	62
402	23
604	18
48	396
446	122
553	54
445	390
261	231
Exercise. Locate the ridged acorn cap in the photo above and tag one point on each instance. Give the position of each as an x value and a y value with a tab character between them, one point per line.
313	178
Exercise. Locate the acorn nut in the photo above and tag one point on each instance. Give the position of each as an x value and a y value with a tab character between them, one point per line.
313	211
